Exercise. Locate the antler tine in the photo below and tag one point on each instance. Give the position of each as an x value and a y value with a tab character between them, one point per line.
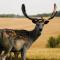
54	12
25	14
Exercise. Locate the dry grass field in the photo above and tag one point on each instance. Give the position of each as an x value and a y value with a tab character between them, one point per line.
44	54
38	50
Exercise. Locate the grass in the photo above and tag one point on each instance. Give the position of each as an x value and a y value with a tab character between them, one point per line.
38	50
43	54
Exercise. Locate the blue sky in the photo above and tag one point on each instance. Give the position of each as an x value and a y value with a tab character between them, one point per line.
32	6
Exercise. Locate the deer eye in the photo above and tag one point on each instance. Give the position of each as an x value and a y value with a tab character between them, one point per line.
36	20
40	21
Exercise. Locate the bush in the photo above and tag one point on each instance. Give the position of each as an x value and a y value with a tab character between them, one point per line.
58	41
54	42
51	42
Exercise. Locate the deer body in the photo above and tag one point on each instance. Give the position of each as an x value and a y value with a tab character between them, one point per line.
26	37
24	40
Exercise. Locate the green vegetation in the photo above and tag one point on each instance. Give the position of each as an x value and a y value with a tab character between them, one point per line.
58	14
10	16
46	15
54	42
38	15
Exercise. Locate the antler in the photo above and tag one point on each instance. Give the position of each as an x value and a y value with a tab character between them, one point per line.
25	14
36	19
54	13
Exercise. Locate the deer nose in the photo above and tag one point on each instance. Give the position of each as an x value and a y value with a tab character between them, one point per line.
40	29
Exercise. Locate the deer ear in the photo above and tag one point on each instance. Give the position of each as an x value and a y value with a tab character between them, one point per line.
46	22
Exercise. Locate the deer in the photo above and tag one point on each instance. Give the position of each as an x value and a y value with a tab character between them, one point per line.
6	42
21	40
24	39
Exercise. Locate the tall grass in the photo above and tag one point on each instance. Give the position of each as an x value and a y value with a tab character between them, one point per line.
42	54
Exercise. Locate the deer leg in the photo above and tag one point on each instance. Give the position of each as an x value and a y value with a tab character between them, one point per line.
23	53
4	56
16	55
0	55
10	57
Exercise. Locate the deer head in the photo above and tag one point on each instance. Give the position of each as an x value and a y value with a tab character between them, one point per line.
41	21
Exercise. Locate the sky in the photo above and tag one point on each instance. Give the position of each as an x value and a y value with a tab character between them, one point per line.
33	7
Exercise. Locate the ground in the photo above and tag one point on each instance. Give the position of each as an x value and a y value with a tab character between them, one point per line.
38	49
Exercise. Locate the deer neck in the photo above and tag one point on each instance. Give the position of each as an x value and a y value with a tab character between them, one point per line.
36	33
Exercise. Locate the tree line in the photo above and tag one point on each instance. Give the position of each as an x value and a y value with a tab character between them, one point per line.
38	15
